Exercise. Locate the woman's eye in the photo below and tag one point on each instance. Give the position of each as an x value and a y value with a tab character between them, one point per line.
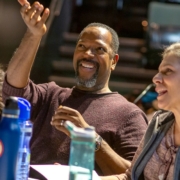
167	71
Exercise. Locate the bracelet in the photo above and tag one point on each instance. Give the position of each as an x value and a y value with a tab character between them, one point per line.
98	141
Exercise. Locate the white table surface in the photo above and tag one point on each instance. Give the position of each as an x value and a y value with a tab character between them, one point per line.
54	172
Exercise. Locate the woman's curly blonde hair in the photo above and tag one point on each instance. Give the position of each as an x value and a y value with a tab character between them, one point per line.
173	49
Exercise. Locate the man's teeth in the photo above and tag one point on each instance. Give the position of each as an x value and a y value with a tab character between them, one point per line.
87	65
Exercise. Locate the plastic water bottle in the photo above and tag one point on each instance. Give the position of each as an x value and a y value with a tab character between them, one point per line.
9	139
82	149
26	133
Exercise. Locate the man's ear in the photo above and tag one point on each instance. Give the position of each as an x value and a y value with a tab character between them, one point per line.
114	62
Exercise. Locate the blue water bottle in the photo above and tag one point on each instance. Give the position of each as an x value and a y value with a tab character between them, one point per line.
26	133
82	149
9	139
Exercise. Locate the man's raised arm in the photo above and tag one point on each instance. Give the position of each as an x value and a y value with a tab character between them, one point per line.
21	63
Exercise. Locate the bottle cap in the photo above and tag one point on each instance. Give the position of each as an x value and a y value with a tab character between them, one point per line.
77	132
12	103
11	106
25	108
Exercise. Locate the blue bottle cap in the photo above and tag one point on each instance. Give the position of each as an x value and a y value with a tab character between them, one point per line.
25	108
12	103
11	106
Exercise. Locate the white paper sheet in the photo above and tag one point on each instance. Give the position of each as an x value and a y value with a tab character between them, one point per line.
56	172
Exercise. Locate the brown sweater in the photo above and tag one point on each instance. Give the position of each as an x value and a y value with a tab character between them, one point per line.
120	123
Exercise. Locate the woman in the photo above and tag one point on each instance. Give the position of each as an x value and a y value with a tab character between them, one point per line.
158	155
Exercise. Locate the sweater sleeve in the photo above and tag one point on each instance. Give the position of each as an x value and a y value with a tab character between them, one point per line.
127	175
8	90
140	149
37	94
131	134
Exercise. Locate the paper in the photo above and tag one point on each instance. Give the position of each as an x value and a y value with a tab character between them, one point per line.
56	172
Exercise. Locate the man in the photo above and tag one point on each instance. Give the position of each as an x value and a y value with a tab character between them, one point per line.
90	102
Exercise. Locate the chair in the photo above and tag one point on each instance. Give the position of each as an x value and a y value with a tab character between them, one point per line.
163	30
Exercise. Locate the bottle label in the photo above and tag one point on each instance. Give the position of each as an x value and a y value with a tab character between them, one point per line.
10	116
1	148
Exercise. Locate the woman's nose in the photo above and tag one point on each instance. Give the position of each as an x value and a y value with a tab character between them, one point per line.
157	78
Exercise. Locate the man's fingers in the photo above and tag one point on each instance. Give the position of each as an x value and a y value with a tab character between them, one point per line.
67	110
35	18
41	19
45	15
24	8
59	127
31	11
22	2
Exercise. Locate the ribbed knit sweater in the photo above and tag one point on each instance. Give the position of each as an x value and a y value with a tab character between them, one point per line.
120	123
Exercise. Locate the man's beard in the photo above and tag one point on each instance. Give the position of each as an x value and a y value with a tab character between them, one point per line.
86	82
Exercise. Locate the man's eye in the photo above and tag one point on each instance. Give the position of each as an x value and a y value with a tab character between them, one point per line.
100	49
81	46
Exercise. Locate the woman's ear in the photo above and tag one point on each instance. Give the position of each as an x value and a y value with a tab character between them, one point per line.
114	62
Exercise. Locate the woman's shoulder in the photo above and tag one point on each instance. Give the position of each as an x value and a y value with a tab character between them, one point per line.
162	117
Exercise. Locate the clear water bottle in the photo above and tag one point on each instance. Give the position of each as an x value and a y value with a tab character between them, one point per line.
26	133
9	139
82	149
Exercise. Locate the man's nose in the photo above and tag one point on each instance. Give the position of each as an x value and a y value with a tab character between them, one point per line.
90	52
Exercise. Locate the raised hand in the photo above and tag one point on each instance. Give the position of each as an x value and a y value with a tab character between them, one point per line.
34	17
64	113
22	2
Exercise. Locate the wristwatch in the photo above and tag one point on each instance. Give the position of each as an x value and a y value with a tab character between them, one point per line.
98	141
